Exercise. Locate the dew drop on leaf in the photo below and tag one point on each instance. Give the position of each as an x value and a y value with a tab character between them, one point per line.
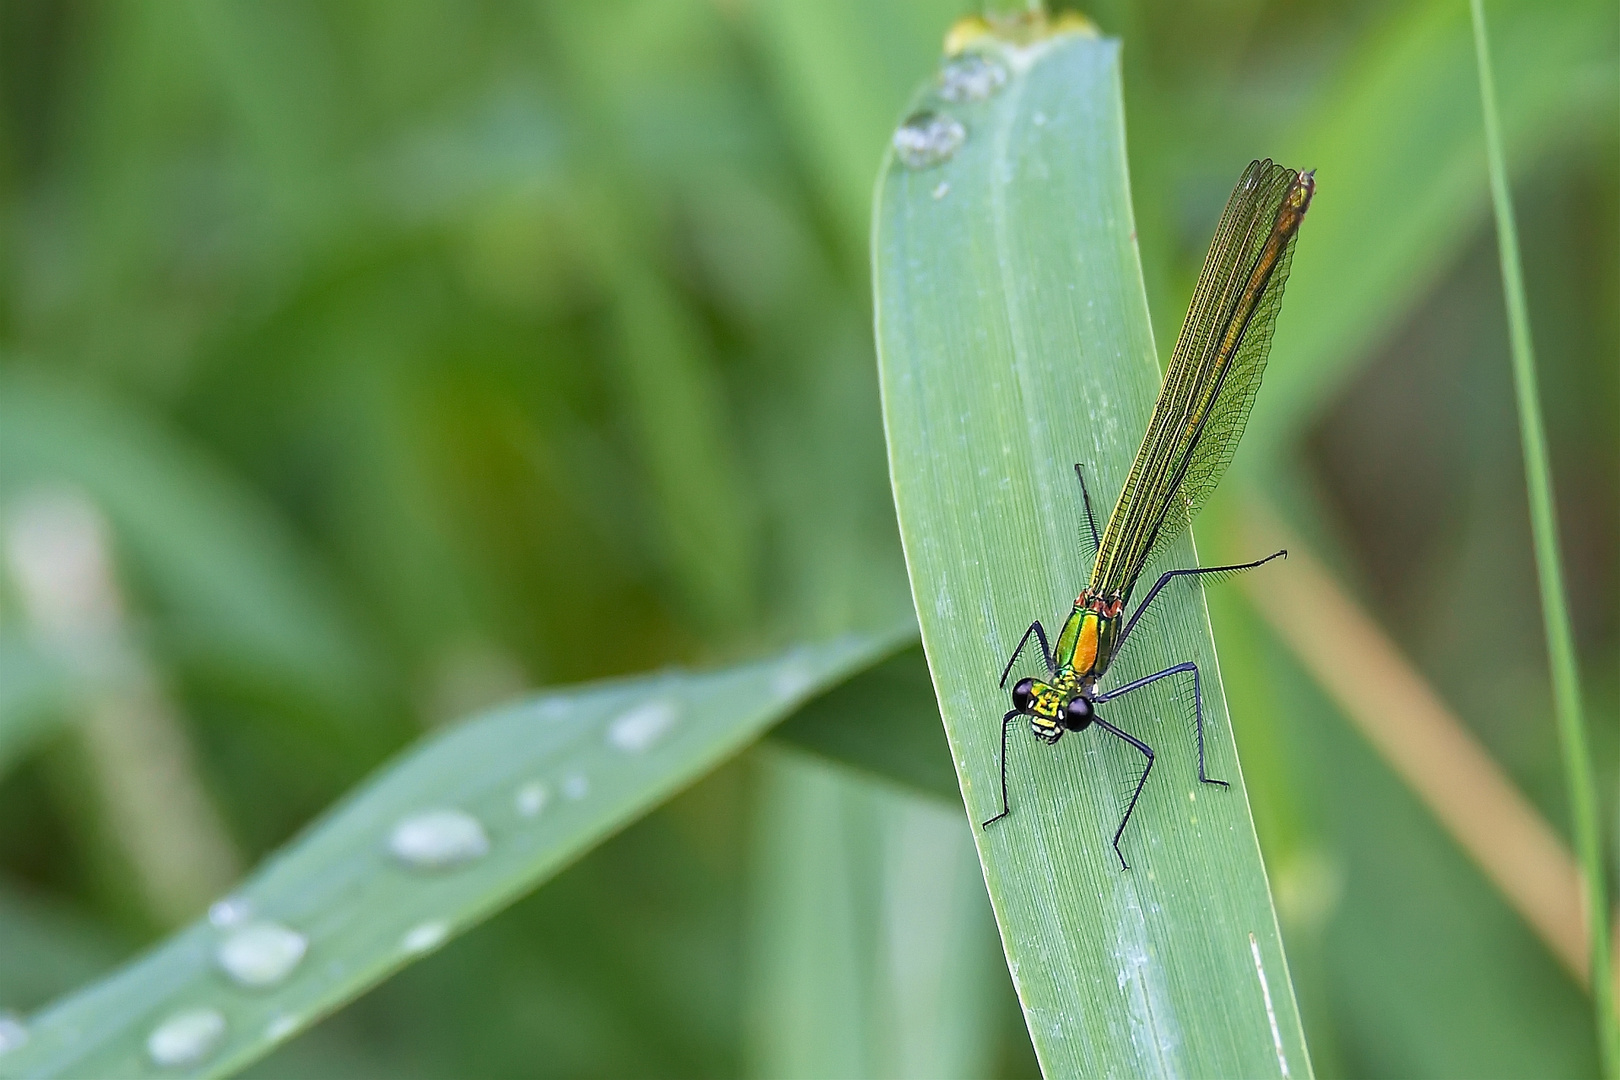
928	138
261	954
13	1032
231	911
425	936
531	798
186	1037
792	679
971	78
642	726
438	839
280	1026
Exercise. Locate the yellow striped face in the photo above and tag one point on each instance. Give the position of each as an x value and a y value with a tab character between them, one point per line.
1045	706
1046	700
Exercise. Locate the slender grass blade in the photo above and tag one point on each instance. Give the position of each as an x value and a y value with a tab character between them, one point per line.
1566	680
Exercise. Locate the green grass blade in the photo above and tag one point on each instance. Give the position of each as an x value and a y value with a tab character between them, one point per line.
1566	680
843	67
237	593
883	721
873	951
34	695
547	779
1396	146
1014	341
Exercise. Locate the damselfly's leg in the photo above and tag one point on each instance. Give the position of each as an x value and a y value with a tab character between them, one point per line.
1091	519
1170	575
1046	651
1005	722
1147	752
1198	706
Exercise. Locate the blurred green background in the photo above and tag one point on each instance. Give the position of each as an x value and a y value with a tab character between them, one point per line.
398	357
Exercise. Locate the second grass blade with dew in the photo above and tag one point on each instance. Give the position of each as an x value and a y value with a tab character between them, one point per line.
1014	342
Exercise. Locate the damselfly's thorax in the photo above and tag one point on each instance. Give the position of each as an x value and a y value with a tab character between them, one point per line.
1086	644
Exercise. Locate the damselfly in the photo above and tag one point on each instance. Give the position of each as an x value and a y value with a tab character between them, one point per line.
1203	405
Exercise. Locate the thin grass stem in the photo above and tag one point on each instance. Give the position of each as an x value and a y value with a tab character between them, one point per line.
1549	571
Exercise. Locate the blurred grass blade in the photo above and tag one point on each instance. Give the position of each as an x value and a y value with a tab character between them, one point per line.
843	67
1566	679
48	947
35	692
1014	341
1389	702
883	721
235	590
873	948
545	780
139	757
1397	144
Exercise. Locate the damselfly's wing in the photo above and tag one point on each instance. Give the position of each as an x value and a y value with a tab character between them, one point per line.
1212	381
1230	412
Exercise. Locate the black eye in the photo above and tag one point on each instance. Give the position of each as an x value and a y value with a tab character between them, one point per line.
1078	714
1024	695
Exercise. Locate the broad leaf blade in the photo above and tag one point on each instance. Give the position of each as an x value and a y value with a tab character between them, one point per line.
547	779
1014	341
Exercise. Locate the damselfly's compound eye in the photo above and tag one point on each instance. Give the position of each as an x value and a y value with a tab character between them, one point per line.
1024	695
1078	714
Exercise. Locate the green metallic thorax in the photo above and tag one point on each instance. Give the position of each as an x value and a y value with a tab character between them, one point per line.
1085	646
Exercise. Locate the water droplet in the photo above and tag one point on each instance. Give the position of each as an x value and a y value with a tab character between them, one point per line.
280	1026
943	189
927	138
576	786
13	1032
425	936
439	839
262	954
642	726
971	78
231	911
531	798
792	680
186	1037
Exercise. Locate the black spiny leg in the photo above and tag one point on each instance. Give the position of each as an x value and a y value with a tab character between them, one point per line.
1046	651
1091	519
1198	706
1005	721
1170	575
1147	752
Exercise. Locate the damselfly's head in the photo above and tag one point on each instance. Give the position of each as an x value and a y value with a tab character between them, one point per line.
1299	196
